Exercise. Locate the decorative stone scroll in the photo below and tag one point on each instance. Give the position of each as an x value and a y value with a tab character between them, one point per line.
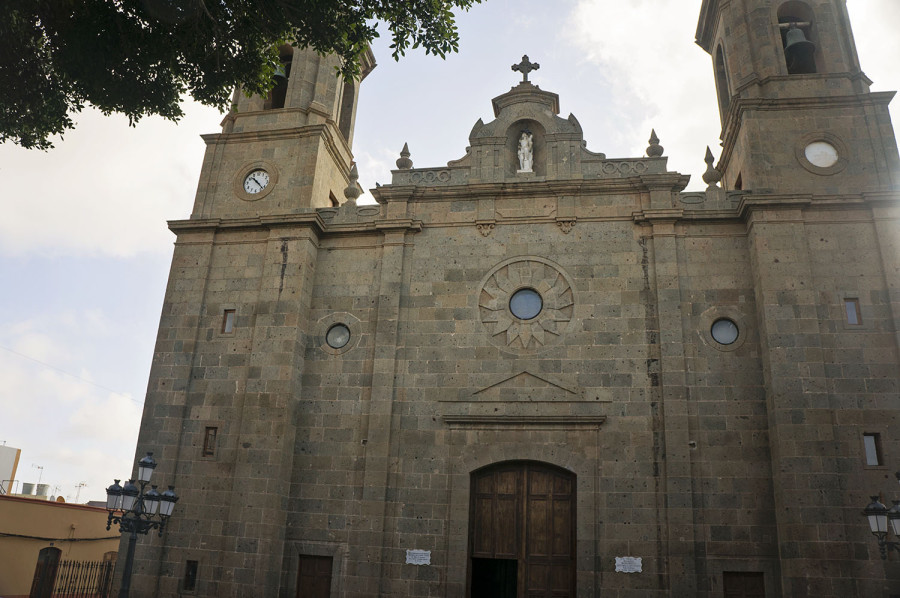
624	167
565	225
692	198
485	228
429	176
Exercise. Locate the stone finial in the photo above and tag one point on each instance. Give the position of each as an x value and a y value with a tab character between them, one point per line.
525	67
352	191
712	176
403	162
654	150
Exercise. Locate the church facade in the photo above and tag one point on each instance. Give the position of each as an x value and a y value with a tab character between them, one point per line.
538	370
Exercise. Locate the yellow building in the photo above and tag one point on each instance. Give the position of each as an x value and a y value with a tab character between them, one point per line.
45	544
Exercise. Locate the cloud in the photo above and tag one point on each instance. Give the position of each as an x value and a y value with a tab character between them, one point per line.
115	418
658	77
106	189
55	411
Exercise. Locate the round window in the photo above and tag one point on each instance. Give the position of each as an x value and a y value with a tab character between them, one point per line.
526	304
821	154
724	331
337	336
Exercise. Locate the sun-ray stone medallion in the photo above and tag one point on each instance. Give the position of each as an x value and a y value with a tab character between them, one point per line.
526	304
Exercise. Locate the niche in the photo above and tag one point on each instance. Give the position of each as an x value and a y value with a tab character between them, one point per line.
538	146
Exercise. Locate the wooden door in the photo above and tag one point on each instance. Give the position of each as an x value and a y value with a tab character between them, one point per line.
45	573
314	577
522	532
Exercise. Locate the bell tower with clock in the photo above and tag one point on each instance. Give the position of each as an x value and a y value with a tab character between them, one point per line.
287	151
224	385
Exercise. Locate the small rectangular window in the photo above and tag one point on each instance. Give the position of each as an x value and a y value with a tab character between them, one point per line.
872	444
851	307
190	576
209	441
228	321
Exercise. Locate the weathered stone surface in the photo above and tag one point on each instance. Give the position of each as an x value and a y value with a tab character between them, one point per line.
702	458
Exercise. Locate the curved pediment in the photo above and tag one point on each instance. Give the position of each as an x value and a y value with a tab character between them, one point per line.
527	141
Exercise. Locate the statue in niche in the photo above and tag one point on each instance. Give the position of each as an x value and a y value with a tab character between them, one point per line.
526	152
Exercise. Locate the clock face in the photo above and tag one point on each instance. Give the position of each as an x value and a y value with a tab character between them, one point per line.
256	181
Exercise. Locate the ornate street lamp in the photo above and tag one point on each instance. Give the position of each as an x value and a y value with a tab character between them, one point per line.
880	517
137	510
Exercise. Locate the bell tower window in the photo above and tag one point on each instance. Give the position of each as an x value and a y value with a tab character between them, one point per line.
795	21
722	83
278	95
345	118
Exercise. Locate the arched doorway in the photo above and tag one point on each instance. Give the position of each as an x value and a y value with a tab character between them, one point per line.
522	531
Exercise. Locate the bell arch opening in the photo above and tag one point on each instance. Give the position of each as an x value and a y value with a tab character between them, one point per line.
522	531
278	95
798	37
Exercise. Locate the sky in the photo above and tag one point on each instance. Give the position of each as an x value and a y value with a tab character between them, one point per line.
85	252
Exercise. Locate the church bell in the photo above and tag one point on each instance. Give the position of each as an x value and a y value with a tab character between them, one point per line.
799	52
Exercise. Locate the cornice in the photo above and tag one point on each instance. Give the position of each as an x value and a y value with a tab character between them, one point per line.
706	25
875	197
506	189
658	215
311	220
750	203
320	129
741	106
491	421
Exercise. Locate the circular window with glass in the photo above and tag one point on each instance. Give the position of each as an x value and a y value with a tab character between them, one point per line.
337	336
821	154
724	331
526	304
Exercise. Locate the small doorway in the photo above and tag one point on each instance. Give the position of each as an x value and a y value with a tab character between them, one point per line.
494	578
744	584
45	573
522	531
314	577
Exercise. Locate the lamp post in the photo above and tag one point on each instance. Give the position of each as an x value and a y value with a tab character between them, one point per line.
137	511
879	517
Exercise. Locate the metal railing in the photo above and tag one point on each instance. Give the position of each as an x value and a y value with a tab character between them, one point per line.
79	579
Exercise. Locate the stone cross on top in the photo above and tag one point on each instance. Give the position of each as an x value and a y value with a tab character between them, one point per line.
525	67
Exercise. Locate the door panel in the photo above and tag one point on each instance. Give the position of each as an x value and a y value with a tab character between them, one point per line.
314	577
523	512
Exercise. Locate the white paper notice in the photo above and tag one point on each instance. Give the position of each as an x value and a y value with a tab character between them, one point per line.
418	557
626	564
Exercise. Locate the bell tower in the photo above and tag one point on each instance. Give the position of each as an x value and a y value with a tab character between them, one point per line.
796	110
814	151
234	330
288	151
